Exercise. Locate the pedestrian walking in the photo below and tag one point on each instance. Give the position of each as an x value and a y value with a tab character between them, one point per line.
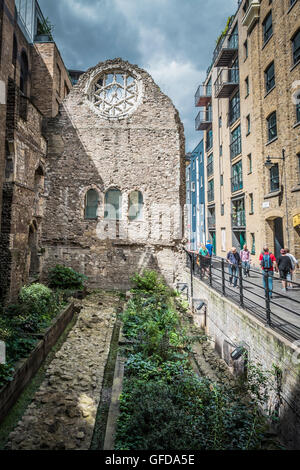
246	260
285	267
204	258
295	265
267	261
234	260
209	247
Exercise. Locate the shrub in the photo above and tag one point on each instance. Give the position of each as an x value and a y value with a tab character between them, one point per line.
36	298
62	277
149	282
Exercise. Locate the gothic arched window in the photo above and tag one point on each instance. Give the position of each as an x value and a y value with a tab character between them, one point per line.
113	204
91	204
135	206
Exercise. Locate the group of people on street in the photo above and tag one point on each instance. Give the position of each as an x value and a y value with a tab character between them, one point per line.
285	265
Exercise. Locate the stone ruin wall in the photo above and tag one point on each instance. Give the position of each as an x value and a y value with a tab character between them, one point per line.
143	150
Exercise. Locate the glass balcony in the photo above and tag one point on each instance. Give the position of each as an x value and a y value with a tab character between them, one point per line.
236	147
226	50
210	195
203	95
238	219
211	222
227	82
210	168
203	120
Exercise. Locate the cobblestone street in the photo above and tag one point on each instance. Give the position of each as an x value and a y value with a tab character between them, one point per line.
63	411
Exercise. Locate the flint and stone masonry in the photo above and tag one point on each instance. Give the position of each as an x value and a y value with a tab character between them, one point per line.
116	133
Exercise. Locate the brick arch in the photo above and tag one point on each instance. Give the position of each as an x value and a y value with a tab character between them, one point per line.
273	214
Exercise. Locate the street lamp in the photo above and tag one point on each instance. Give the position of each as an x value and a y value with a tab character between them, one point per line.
269	164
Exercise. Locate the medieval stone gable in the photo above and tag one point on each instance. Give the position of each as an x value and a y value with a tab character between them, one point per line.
115	177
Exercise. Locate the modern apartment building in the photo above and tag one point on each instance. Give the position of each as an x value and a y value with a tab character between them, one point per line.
250	115
195	197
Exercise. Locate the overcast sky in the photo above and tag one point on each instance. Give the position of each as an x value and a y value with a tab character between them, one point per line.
172	39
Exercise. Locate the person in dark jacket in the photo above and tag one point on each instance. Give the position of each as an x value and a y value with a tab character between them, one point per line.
285	267
233	258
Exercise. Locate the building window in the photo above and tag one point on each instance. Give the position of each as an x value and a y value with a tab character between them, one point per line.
236	142
193	186
270	77
298	109
91	204
201	181
249	163
210	165
247	86
274	178
15	51
246	49
296	48
298	169
113	204
67	90
248	123
237	177
209	140
234	108
222	209
222	180
221	150
220	121
58	79
251	203
272	126
252	243
267	27
24	73
246	6
210	192
135	206
292	2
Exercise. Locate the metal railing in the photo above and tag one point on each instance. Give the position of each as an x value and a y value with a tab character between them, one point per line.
229	41
226	82
203	91
210	168
236	147
210	195
254	290
236	183
203	120
238	219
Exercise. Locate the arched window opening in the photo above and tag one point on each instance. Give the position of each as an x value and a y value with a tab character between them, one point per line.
39	179
24	73
136	206
15	51
34	262
91	204
113	204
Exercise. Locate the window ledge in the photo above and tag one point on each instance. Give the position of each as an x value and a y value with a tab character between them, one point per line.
273	194
271	89
295	65
296	188
267	41
271	141
296	124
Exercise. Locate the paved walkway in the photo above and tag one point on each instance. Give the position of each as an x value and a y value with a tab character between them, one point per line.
63	412
285	306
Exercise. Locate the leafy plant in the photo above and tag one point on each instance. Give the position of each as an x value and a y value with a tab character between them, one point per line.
62	277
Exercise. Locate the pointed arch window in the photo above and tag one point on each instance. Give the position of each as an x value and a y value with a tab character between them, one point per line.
113	204
135	206
91	204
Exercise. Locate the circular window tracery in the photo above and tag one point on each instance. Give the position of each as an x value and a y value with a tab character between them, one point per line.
115	94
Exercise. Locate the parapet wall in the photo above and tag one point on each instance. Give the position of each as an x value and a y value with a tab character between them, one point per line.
228	326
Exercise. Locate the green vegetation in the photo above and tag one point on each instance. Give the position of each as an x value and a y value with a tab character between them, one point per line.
224	32
22	324
164	404
62	277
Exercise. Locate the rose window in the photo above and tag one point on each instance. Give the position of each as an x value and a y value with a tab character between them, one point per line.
115	94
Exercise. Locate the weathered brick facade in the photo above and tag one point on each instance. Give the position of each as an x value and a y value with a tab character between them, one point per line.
140	151
30	94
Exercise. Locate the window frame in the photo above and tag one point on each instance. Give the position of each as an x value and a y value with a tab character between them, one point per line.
86	206
296	61
274	187
267	32
271	126
272	80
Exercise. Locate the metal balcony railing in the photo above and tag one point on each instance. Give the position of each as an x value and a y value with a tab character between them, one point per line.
226	83
226	49
210	168
235	147
203	95
211	222
238	219
236	183
210	195
203	120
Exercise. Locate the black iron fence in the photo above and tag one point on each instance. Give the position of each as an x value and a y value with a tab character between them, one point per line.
258	292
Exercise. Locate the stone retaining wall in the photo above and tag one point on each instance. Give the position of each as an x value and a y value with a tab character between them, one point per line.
28	367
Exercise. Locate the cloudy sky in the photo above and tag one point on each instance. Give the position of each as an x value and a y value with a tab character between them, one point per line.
172	39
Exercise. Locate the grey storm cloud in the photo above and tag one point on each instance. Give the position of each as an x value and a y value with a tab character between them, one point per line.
172	39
